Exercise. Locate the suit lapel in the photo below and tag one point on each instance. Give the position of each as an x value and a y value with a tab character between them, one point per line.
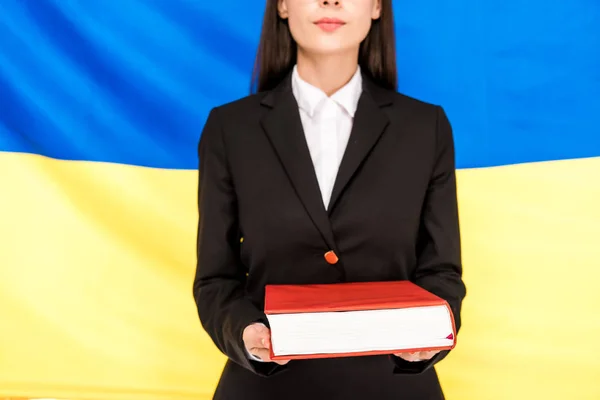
369	123
283	127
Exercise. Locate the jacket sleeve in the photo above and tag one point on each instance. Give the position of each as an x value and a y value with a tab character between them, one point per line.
439	267
219	283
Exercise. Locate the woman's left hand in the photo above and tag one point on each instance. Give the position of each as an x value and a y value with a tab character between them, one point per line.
417	356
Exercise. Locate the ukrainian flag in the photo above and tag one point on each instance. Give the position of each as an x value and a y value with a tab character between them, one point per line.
101	106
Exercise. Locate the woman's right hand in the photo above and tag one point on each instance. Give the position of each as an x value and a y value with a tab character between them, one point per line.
257	339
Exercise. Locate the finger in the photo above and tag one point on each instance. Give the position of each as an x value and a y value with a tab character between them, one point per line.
261	353
427	355
412	357
265	355
257	336
264	336
280	362
261	329
266	340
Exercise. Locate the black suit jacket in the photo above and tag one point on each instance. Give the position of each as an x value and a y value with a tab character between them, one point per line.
392	216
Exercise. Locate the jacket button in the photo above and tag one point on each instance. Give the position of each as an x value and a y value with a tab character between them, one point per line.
331	257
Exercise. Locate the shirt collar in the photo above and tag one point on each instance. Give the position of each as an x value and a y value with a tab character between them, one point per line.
310	97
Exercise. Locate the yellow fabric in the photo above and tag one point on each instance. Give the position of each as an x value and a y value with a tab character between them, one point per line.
97	262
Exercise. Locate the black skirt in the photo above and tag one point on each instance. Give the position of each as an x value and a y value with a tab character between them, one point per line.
367	377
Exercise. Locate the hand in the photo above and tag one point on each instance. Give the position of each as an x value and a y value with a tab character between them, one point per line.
417	356
257	339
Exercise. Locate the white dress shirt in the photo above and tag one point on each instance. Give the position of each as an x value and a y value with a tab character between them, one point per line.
327	122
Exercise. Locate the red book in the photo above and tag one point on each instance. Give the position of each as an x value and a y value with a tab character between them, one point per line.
356	319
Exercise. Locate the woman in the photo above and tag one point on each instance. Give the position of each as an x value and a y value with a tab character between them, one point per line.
326	175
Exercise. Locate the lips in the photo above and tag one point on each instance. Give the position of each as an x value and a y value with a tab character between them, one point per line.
330	24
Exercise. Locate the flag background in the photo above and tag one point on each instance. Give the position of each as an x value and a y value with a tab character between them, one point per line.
101	107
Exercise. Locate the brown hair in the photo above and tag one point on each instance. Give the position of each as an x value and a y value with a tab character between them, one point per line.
277	50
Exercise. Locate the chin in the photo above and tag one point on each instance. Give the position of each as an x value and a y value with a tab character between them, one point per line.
329	47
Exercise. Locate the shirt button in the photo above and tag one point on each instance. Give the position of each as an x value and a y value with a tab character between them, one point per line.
331	257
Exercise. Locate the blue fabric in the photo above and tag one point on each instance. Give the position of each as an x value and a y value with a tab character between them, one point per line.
132	81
